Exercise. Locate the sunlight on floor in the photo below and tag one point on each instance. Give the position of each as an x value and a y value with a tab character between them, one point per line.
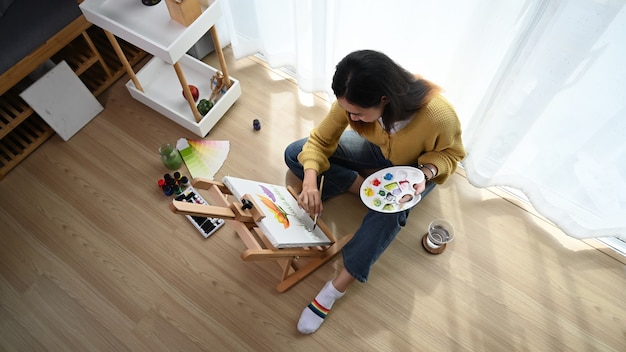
275	76
306	99
558	235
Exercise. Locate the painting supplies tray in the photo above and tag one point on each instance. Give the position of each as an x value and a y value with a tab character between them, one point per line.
206	225
391	190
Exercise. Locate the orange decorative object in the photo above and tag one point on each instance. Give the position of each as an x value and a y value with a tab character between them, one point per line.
184	11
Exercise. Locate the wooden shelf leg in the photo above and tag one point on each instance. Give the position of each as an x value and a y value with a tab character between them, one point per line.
183	83
93	48
123	60
220	55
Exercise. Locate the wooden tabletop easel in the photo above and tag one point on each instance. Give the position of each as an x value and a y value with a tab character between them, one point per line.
296	263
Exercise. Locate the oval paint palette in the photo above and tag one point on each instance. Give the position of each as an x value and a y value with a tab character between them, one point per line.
391	190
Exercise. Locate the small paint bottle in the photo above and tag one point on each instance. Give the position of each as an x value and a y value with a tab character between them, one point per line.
256	124
170	181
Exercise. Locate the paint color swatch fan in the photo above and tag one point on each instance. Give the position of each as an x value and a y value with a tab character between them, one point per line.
203	157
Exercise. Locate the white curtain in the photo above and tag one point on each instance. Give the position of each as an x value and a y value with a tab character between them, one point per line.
539	85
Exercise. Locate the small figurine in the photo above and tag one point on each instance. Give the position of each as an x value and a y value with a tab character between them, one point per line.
256	124
218	84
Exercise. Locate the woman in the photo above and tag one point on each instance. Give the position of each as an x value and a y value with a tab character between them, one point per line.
396	118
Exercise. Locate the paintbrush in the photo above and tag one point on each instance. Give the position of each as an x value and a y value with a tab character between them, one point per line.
316	215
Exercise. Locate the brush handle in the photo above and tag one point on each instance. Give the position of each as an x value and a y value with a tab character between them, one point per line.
320	188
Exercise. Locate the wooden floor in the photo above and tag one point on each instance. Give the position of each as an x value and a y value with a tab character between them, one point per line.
91	258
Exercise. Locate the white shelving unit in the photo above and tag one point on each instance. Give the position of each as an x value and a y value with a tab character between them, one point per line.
160	82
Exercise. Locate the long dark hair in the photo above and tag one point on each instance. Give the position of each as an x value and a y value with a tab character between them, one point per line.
363	77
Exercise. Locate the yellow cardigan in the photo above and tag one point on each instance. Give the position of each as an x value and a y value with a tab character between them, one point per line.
432	137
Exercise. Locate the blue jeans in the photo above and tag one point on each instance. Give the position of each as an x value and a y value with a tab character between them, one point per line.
377	230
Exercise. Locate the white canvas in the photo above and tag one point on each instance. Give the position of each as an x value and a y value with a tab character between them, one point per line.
62	100
285	223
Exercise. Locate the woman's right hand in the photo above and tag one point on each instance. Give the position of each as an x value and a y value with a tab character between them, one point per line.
310	199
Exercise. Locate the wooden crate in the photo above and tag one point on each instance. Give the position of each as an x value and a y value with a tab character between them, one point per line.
22	132
184	11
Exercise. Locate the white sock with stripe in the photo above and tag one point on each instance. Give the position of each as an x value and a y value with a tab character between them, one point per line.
313	315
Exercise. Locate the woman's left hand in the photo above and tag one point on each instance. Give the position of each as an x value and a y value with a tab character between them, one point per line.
419	187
